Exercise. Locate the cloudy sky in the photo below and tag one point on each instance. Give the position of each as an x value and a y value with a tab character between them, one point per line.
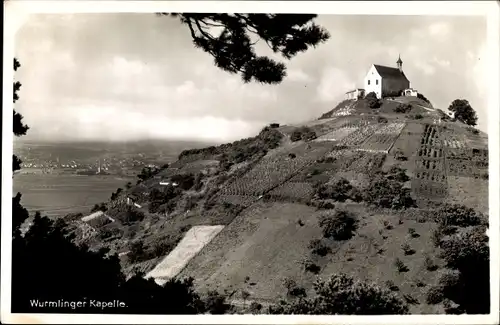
136	76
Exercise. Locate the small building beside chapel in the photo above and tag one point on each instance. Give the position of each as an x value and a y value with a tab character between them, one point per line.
386	81
355	94
410	92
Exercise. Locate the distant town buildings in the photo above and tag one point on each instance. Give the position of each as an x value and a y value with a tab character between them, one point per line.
165	183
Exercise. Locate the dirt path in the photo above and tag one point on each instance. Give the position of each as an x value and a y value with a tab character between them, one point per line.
403	102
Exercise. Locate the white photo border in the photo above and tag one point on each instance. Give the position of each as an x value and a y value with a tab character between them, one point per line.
17	12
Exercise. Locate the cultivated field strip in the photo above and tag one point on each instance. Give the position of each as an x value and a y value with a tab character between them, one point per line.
459	167
430	152
336	153
327	126
241	200
434	164
430	178
366	161
391	128
480	154
455	144
273	171
379	142
480	164
293	191
466	162
337	135
359	136
430	137
429	190
458	153
408	141
453	139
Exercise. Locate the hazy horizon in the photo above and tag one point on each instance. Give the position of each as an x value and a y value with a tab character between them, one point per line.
134	77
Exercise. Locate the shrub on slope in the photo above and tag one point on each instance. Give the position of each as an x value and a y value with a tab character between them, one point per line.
241	150
339	226
303	133
467	252
342	295
403	108
458	215
340	191
386	190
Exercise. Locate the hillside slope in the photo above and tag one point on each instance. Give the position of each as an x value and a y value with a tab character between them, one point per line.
271	191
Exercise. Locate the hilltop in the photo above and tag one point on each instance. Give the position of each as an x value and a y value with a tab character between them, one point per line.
389	169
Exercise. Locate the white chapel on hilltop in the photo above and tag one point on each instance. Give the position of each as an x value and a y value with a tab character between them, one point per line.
384	82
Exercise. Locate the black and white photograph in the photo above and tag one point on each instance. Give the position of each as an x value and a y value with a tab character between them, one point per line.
189	160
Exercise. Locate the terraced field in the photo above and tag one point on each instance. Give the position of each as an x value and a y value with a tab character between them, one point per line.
359	136
337	135
292	191
379	142
241	200
273	171
429	181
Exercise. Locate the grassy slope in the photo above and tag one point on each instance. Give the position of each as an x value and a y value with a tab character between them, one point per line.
267	245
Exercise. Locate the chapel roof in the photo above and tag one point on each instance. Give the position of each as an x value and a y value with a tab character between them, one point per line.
391	73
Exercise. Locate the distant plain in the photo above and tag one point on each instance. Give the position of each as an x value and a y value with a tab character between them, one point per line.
58	195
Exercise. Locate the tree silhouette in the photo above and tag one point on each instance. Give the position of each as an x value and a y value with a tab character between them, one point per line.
48	266
18	127
463	111
231	38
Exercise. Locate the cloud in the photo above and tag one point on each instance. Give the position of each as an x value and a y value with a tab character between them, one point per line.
426	68
441	62
297	75
480	70
107	76
439	30
101	122
334	82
